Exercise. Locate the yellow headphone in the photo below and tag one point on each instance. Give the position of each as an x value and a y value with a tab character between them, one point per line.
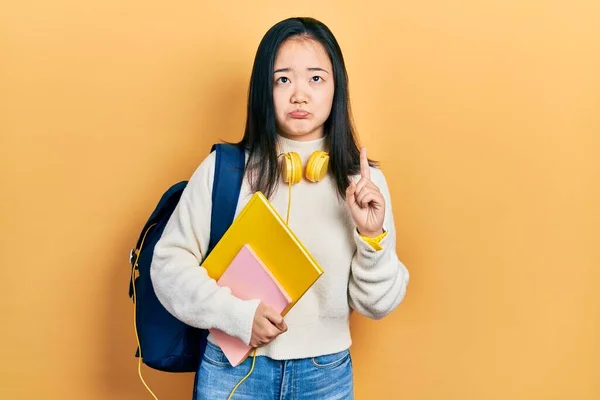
316	167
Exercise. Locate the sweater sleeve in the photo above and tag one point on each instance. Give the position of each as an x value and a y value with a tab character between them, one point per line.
378	279
183	286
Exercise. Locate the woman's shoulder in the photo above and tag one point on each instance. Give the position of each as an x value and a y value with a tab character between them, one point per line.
377	174
205	171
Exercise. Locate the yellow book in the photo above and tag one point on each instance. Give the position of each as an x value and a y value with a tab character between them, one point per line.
260	226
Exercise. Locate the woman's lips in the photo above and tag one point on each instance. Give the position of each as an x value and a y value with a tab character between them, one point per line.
299	114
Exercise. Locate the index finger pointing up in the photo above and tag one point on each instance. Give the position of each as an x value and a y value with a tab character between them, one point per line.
365	171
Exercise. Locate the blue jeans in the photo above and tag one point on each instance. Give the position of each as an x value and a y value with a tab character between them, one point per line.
327	377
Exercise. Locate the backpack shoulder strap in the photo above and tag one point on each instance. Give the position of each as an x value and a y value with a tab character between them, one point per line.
229	173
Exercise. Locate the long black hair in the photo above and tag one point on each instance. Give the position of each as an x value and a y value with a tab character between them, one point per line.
260	135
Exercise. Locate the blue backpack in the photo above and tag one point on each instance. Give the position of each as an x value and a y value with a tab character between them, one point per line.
166	343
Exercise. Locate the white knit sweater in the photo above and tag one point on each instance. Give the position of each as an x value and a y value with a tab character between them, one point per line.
356	276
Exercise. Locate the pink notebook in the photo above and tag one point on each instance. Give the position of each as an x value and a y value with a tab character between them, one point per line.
249	279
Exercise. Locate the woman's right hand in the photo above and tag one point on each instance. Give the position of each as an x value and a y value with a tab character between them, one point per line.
268	324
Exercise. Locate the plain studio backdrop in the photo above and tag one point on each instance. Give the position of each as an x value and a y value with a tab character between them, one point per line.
485	116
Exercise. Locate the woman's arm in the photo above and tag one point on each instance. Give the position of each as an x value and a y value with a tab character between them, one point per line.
378	279
182	286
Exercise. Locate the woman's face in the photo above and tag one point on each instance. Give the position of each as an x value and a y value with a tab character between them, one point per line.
303	87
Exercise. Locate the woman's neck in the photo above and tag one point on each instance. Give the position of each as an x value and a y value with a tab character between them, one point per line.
303	147
306	137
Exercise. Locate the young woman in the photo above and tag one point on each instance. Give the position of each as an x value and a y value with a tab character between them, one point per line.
298	102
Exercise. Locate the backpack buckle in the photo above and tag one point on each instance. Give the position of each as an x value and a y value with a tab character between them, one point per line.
132	256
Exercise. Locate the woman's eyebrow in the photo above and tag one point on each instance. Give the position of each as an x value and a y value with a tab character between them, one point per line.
309	69
318	69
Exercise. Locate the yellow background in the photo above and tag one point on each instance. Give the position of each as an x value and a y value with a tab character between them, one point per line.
484	114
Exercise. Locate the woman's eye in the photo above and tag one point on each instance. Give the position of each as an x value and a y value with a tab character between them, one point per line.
283	79
316	78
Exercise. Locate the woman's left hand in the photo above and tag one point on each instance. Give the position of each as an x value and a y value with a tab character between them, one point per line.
365	201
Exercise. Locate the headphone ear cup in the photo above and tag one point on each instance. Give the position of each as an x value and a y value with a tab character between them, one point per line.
317	166
291	168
